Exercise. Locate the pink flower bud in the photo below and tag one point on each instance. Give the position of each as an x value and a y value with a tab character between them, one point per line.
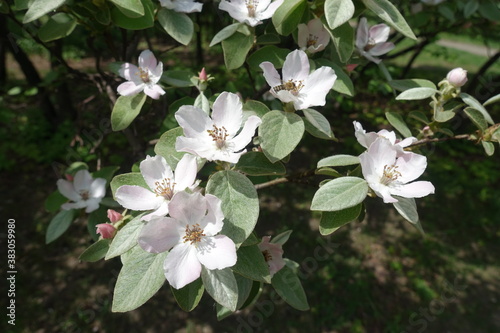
114	216
351	67
106	230
69	177
457	77
203	75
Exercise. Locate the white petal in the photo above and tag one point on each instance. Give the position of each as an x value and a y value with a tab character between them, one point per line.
303	35
147	60
379	33
82	181
296	66
182	265
92	204
413	190
245	136
129	71
74	205
227	112
188	208
236	8
271	9
154	92
411	166
194	121
161	211
67	189
187	6
216	252
362	34
160	234
129	88
383	192
213	222
406	142
98	188
137	198
155	75
368	56
203	148
155	169
270	74
317	86
382	48
225	156
185	172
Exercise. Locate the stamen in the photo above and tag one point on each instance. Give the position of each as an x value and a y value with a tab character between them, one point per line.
85	194
267	255
194	234
165	188
390	174
291	86
251	7
219	135
143	74
312	40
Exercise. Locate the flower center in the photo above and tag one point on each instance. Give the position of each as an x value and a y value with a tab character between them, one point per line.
312	40
85	194
165	188
267	255
219	135
291	86
194	234
251	7
390	174
143	74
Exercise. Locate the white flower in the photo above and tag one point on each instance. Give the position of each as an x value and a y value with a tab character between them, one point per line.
142	78
388	174
182	6
191	234
457	77
251	12
163	185
84	191
218	138
366	139
273	254
313	37
373	42
297	85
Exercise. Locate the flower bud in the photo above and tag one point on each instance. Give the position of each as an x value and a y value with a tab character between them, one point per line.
114	216
203	75
457	77
106	230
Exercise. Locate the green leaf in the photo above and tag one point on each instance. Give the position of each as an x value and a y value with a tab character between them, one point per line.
125	238
256	163
398	123
253	294
235	49
59	224
96	217
343	39
177	78
240	203
474	103
403	85
106	172
340	193
287	17
166	146
489	148
190	295
132	178
271	53
96	251
140	278
476	117
389	13
443	116
420	116
257	108
224	33
268	39
221	285
244	289
124	19
54	201
282	238
407	208
492	100
38	8
338	160
58	26
470	8
416	93
280	133
126	110
178	25
317	125
251	240
130	8
338	12
288	286
343	84
202	102
331	221
252	264
489	10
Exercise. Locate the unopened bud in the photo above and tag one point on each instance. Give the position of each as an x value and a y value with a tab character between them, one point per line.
457	77
69	177
114	216
351	67
203	75
106	230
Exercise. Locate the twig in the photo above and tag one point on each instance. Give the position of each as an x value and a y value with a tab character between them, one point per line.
425	141
291	178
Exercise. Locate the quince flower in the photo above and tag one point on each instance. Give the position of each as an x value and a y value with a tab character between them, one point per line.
366	139
388	174
273	254
182	6
218	138
251	12
142	78
313	37
163	185
297	85
373	42
190	232
457	77
84	191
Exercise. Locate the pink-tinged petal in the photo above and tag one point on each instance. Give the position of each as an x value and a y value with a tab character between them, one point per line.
154	92
147	60
382	153
204	149
296	66
92	204
382	48
379	33
83	181
185	172
411	166
413	190
67	189
194	121
106	230
271	75
182	265
129	88
74	205
317	86
98	188
213	222
129	71
273	253
362	34
160	234
245	136
156	73
302	36
188	208
161	211
227	112
271	9
114	216
216	252
155	169
137	198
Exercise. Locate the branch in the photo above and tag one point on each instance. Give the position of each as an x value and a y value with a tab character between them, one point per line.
456	137
291	178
